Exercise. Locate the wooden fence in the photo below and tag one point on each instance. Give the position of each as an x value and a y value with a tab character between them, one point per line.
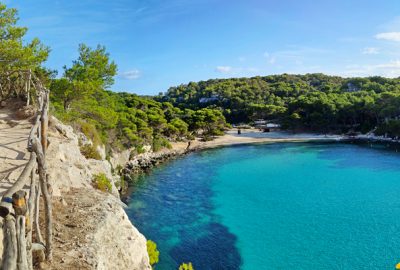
19	206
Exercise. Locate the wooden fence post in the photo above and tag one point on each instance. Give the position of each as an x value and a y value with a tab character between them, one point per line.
46	197
20	210
10	244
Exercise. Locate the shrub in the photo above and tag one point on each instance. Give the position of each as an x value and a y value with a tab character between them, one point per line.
89	151
101	182
153	252
140	149
160	143
90	131
186	266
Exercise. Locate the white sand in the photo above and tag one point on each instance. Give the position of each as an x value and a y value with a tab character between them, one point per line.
251	136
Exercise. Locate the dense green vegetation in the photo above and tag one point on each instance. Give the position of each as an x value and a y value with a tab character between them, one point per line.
15	53
122	120
314	102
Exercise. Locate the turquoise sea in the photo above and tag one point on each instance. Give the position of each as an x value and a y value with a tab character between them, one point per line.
274	206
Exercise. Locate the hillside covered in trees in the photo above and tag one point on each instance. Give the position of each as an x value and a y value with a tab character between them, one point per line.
314	102
122	120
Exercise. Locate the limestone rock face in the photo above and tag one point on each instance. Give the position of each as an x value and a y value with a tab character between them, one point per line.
120	158
67	167
111	241
129	252
105	239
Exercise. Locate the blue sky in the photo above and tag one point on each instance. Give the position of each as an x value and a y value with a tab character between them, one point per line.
158	44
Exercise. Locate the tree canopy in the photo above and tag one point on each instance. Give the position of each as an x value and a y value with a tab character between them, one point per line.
15	51
314	102
123	120
92	71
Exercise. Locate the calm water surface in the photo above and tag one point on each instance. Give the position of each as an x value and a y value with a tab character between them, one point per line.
274	206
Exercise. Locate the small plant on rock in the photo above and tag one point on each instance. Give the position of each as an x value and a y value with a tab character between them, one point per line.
153	252
101	182
89	151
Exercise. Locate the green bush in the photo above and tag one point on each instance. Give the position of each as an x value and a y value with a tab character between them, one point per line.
140	149
101	182
160	143
186	266
90	132
89	151
153	252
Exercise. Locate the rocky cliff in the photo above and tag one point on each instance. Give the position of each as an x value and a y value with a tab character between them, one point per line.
92	231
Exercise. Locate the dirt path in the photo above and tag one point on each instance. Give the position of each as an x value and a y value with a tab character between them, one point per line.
13	143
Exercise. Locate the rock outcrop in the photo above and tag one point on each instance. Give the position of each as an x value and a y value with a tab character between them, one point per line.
144	162
92	231
68	168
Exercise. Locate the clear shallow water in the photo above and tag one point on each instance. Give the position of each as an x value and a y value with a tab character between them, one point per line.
274	206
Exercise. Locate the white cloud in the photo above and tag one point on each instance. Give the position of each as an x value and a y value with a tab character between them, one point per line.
390	69
130	74
239	71
391	36
370	50
224	69
270	58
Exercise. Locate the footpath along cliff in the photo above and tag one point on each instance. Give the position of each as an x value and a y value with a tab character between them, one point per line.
91	229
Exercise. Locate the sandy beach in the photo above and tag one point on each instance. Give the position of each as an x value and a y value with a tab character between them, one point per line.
252	136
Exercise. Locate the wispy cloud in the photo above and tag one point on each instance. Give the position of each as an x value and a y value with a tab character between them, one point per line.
370	50
389	69
391	36
297	55
224	69
130	74
270	58
237	70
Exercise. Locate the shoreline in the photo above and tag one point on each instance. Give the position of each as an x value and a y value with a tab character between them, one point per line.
252	136
144	163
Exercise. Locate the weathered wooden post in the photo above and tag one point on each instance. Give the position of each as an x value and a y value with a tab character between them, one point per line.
44	122
40	149
10	251
30	219
20	210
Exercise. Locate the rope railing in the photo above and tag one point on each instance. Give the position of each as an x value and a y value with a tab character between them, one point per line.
19	209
